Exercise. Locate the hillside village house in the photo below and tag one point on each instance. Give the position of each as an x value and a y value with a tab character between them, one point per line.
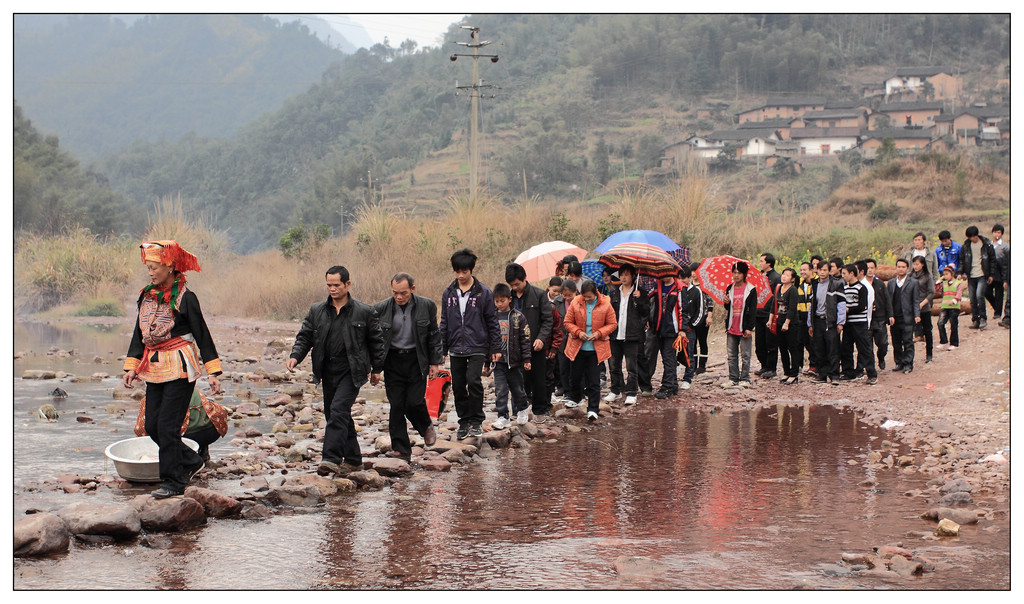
908	113
782	107
912	79
782	125
917	139
837	118
974	125
825	141
748	141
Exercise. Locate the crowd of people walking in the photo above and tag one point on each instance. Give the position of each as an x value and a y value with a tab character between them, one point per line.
826	320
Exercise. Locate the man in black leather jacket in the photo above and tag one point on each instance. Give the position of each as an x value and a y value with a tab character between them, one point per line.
413	344
345	337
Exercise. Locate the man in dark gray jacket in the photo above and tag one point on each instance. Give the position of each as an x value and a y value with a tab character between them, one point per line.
344	335
906	313
532	301
412	340
469	332
881	314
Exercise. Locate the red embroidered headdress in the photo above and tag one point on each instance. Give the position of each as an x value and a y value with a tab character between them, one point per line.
170	253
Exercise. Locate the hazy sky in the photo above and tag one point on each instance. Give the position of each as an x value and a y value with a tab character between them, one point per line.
426	29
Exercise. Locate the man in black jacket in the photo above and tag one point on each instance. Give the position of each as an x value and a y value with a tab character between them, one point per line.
766	345
881	314
532	301
977	259
632	308
826	318
413	344
344	335
905	298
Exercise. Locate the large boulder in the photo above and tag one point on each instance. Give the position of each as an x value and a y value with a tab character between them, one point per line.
497	439
172	514
325	484
93	518
448	445
367	479
40	535
391	466
216	505
957	515
435	464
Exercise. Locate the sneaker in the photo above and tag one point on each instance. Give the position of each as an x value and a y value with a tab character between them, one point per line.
326	468
951	347
462	433
347	468
973	325
591	416
571	404
743	384
611	396
898	368
522	417
730	385
165	492
767	375
983	324
820	379
192	473
908	370
541	418
872	381
1004	323
630	400
559	391
758	371
684	386
475	430
810	371
500	424
663	394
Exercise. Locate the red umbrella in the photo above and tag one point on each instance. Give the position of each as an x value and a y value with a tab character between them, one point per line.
715	275
648	259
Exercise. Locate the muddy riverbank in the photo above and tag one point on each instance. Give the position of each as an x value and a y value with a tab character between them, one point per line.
594	496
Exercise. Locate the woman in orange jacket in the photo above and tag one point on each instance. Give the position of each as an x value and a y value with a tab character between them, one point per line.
589	322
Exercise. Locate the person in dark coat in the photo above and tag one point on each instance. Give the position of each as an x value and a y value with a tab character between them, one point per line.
631	306
533	303
788	327
905	297
766	345
977	265
412	340
881	314
348	348
469	333
826	317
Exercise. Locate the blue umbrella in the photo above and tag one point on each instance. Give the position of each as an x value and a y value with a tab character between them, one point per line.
592	269
638	236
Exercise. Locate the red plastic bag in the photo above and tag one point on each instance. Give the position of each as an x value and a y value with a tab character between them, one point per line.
437	393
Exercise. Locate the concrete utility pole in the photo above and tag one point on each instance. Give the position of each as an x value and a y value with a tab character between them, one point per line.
474	94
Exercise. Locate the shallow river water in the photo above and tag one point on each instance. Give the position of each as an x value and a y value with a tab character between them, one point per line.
757	499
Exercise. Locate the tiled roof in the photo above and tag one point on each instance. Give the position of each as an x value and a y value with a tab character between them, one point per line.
832	113
794	101
911	106
843	104
880	133
777	122
921	71
741	135
801	133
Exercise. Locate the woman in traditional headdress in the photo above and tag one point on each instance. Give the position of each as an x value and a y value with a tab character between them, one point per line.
170	348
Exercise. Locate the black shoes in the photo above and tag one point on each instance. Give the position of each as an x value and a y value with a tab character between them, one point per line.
462	433
881	363
898	367
165	492
327	468
475	430
663	394
767	375
908	369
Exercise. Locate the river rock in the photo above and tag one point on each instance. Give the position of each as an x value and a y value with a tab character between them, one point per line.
296	453
956	486
305	416
435	464
639	566
447	445
455	456
295	496
248	408
93	518
382	444
905	460
497	439
904	567
172	514
947	528
254	483
40	535
391	466
957	515
325	484
278	400
955	499
344	485
854	558
888	551
215	505
257	512
38	374
874	457
530	429
293	391
252	432
368	479
572	413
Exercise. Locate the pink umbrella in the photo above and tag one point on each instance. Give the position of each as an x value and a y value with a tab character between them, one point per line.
540	260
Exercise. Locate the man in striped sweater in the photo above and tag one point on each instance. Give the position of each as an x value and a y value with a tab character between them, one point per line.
857	332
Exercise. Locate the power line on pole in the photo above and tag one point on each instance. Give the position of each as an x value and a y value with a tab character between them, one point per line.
474	94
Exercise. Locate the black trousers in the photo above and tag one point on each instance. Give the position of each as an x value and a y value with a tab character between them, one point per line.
586	379
701	332
166	407
826	348
468	389
204	438
903	343
805	340
628	351
766	345
791	350
405	386
859	336
880	335
665	345
536	383
994	295
340	392
926	329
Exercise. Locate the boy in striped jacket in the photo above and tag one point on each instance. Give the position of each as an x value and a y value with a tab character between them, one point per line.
857	331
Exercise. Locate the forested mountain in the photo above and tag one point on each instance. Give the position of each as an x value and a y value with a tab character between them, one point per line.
101	84
574	92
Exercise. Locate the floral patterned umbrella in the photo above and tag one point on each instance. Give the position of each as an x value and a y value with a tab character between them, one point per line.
715	276
648	259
